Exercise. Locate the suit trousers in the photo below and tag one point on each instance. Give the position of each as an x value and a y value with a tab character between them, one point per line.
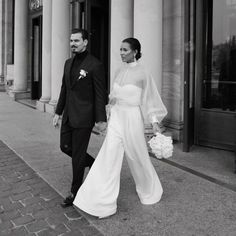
74	142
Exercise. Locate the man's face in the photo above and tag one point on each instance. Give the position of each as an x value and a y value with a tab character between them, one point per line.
77	43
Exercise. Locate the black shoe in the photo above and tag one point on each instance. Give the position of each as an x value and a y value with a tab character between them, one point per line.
68	201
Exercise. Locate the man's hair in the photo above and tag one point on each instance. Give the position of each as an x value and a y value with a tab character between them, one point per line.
83	32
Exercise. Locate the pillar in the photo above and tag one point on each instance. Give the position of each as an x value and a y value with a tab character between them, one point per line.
1	46
60	37
121	27
46	51
20	46
148	29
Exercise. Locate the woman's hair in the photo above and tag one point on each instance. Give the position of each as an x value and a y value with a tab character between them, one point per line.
134	45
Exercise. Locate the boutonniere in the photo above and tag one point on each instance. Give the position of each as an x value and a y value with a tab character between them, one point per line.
82	74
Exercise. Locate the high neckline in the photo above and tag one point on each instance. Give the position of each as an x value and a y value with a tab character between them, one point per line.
132	64
82	54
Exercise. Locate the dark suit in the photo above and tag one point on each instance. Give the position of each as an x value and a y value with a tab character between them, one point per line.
82	102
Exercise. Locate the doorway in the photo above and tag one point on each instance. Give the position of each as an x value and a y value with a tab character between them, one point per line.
215	117
36	58
93	15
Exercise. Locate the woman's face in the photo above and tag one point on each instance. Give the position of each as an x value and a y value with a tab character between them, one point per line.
126	53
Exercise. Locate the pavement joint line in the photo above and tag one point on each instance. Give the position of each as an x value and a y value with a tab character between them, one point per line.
36	172
15	226
197	173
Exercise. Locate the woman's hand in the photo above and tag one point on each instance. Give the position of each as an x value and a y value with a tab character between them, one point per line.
156	128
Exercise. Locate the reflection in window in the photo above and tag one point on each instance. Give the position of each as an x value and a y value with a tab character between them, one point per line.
77	14
220	81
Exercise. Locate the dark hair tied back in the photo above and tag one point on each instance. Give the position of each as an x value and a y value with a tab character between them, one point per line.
134	45
83	32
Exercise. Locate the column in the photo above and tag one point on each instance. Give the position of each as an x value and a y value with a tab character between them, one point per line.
60	44
46	51
1	46
148	29
121	28
20	46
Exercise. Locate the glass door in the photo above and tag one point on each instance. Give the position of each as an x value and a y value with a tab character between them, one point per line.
36	78
216	76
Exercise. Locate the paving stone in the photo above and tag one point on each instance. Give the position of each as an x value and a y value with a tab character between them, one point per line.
5	226
58	209
90	231
36	226
21	231
42	214
47	196
12	206
26	177
21	188
52	203
5	193
74	233
21	196
39	185
12	180
31	201
77	224
10	215
29	206
5	187
60	229
73	215
5	201
23	220
47	232
54	220
33	181
31	209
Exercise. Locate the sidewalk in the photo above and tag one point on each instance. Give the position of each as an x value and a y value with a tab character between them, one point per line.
199	187
29	206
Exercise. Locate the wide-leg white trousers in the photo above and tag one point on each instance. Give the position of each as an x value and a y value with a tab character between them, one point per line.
125	134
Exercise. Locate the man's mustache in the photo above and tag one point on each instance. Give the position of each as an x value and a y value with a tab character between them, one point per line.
73	47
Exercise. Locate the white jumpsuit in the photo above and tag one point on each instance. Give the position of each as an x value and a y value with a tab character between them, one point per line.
125	134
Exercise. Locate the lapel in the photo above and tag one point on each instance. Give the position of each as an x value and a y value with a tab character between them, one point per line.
69	65
84	65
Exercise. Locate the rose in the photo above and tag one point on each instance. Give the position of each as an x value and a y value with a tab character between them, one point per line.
161	146
82	74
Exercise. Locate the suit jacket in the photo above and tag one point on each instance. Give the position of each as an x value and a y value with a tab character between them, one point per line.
82	101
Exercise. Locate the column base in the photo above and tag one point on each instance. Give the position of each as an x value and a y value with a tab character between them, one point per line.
175	128
40	106
44	99
2	87
51	106
16	95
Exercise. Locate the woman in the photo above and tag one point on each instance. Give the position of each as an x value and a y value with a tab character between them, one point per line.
133	99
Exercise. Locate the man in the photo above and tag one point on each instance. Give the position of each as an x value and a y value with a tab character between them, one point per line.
82	101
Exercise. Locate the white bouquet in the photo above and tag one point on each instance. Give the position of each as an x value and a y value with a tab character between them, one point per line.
161	146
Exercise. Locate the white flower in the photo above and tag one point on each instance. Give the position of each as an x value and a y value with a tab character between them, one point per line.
82	74
161	146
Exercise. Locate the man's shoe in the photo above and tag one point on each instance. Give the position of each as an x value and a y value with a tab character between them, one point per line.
68	201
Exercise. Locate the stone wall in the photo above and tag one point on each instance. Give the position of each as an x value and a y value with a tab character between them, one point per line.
173	64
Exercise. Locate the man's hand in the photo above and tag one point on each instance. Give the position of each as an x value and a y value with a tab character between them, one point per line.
156	128
55	121
101	126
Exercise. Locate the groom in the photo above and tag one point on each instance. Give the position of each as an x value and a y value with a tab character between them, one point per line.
82	101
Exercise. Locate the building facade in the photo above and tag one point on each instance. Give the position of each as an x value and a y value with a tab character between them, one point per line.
188	45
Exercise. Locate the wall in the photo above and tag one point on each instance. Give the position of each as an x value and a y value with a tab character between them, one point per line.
173	64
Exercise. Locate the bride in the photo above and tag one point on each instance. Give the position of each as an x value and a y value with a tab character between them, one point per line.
134	98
